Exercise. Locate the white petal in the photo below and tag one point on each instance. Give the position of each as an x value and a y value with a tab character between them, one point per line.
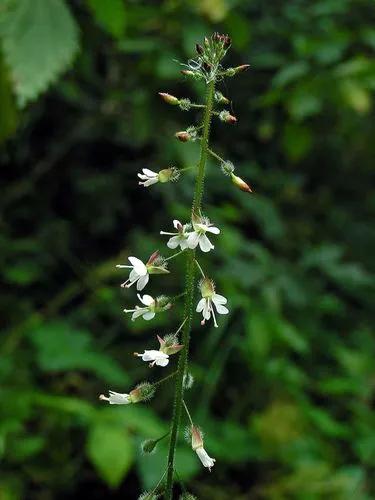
149	173
183	243
143	177
193	239
176	223
213	230
138	265
142	282
162	361
150	182
204	243
137	313
221	309
206	460
115	398
148	315
147	300
219	299
133	275
201	305
150	355
173	242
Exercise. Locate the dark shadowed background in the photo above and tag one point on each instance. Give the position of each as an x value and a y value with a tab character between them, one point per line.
284	388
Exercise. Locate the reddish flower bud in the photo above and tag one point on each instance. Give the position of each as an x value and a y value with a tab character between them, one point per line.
226	117
188	72
199	49
183	136
170	99
243	67
241	184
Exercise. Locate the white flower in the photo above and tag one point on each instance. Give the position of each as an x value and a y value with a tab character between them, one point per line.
206	460
180	238
210	299
138	274
148	177
197	445
166	175
201	226
115	398
147	312
156	357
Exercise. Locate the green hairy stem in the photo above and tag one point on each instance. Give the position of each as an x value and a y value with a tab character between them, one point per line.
190	285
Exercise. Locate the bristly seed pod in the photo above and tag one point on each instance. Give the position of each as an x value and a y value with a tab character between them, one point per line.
143	392
149	446
240	183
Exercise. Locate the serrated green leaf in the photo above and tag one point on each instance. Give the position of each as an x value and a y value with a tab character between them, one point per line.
39	41
110	450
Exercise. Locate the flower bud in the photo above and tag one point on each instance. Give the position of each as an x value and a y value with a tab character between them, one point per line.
220	98
237	69
188	72
170	99
143	392
240	183
183	136
156	264
199	49
226	117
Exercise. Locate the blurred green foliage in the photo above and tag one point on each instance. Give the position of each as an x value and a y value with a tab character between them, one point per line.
285	387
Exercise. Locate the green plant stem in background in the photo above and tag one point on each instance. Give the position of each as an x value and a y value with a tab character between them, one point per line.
189	295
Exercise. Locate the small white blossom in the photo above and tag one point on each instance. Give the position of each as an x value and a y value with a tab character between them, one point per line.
206	460
148	177
210	299
157	358
138	274
147	312
180	238
197	445
116	398
201	226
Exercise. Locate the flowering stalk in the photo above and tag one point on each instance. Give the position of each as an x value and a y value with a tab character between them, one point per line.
189	293
188	239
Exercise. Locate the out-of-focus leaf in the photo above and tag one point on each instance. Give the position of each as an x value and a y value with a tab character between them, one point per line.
290	72
61	347
40	40
8	115
111	15
110	450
